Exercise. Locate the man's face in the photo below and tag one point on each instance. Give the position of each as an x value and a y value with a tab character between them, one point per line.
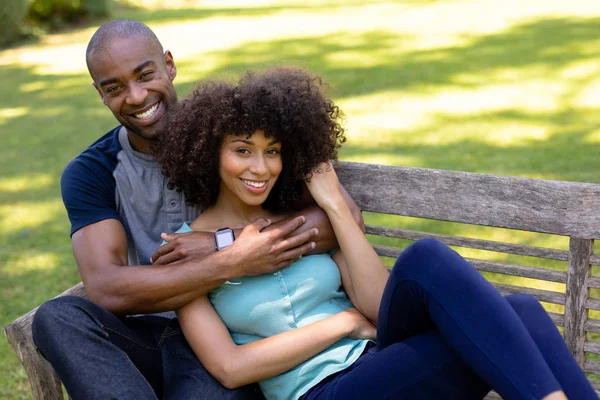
135	81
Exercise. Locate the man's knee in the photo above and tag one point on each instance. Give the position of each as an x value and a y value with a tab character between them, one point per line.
50	317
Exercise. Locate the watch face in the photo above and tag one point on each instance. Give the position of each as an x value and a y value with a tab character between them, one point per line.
224	238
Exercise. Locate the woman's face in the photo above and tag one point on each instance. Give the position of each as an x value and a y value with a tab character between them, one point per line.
249	166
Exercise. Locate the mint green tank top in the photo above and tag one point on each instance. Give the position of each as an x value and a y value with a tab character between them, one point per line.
306	291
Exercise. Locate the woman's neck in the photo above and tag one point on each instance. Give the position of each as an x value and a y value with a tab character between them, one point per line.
229	211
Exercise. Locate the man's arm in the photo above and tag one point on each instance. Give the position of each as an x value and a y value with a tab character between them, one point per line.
187	246
100	251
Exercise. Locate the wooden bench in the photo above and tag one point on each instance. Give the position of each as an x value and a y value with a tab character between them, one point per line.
567	209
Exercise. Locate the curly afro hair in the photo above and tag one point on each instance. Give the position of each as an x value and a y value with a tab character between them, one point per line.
289	104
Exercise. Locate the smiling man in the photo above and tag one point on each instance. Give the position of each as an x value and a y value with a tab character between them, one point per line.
134	79
120	344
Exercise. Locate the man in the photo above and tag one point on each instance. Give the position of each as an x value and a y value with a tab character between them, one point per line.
119	203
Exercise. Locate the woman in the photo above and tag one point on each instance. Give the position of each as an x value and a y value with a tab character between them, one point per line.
245	152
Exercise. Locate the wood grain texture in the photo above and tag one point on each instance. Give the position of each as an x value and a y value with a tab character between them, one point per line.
42	378
508	248
556	207
592	347
542	295
592	325
576	314
592	367
594	282
492	266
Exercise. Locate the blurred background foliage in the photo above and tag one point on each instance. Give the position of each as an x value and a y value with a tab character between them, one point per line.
23	19
506	87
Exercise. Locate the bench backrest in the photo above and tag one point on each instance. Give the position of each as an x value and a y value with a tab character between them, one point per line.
568	209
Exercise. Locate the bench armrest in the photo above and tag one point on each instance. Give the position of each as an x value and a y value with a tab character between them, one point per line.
45	384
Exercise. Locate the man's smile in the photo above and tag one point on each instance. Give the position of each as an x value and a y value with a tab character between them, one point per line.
148	113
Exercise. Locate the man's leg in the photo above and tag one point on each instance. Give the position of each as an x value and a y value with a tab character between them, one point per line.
98	355
185	378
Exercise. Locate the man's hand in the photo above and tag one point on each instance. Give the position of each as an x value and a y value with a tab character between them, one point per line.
256	252
183	246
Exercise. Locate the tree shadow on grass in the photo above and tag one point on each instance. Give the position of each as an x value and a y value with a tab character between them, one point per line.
47	120
548	44
566	154
61	114
150	16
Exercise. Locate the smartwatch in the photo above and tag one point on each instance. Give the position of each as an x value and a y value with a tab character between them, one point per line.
224	237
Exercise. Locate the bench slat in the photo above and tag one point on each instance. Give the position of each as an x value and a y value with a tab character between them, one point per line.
509	248
541	295
592	347
592	325
555	207
592	367
491	266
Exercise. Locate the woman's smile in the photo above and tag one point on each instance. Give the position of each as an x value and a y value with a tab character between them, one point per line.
254	185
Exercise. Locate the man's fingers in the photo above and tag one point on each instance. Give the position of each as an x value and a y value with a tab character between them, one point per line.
298	240
165	259
169	237
282	264
161	251
297	252
261	224
289	227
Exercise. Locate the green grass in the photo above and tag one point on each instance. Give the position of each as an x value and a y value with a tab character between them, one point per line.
473	86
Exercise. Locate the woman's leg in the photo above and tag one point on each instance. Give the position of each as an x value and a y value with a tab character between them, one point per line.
420	367
552	346
432	287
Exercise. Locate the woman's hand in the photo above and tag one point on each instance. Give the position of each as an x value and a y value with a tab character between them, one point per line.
324	186
362	327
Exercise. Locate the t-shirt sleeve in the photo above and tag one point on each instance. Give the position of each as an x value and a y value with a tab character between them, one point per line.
88	192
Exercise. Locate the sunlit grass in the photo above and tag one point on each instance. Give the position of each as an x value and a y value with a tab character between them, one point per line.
17	184
14	217
507	87
30	262
7	113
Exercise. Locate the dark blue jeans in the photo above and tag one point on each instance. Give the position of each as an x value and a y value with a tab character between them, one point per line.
100	356
444	332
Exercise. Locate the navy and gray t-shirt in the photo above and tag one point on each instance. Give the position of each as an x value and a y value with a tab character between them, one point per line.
111	180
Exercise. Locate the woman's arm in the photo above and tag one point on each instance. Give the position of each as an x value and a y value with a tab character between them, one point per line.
363	274
237	365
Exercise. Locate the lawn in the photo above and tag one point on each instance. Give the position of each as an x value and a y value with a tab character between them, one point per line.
507	87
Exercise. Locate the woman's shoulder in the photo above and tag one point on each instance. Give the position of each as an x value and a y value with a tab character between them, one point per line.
207	221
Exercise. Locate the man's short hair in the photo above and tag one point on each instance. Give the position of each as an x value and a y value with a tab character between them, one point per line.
115	30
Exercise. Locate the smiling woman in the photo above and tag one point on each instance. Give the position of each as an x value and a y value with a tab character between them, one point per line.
283	112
